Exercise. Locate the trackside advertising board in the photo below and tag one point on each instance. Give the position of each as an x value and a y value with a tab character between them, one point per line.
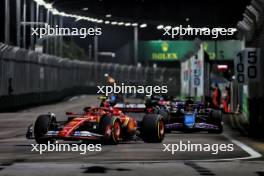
164	50
167	51
192	75
185	77
247	66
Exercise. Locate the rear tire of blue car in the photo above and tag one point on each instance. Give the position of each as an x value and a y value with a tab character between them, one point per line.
217	119
152	128
43	124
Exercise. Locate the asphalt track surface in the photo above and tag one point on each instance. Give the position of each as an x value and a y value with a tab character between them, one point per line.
130	158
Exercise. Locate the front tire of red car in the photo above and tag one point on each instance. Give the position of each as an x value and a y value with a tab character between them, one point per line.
41	127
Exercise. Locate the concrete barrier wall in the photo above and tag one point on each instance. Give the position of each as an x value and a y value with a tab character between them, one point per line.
30	78
253	34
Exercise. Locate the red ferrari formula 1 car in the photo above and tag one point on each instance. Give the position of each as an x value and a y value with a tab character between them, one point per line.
109	125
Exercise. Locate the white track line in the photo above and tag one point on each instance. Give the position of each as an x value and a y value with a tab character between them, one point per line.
83	96
73	98
253	154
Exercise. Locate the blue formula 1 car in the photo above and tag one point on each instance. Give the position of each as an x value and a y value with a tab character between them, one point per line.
189	116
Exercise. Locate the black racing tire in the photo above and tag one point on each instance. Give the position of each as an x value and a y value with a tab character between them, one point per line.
42	126
111	129
217	118
152	128
216	115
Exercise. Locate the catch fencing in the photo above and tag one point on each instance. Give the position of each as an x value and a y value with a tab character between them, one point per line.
28	77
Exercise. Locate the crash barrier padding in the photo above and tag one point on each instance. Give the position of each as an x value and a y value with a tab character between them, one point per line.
253	35
28	77
256	117
252	125
238	123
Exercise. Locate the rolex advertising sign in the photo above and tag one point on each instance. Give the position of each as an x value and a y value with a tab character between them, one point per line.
164	50
164	54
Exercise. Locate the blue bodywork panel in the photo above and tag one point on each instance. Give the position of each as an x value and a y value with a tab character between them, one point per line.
189	120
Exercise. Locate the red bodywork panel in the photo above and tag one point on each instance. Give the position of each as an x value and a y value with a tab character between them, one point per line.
94	115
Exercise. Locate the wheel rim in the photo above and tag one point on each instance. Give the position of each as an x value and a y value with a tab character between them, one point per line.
116	131
161	129
108	131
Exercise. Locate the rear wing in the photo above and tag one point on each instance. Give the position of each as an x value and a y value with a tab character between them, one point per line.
131	107
182	104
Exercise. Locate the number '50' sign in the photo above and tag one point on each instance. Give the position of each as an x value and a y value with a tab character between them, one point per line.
247	66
